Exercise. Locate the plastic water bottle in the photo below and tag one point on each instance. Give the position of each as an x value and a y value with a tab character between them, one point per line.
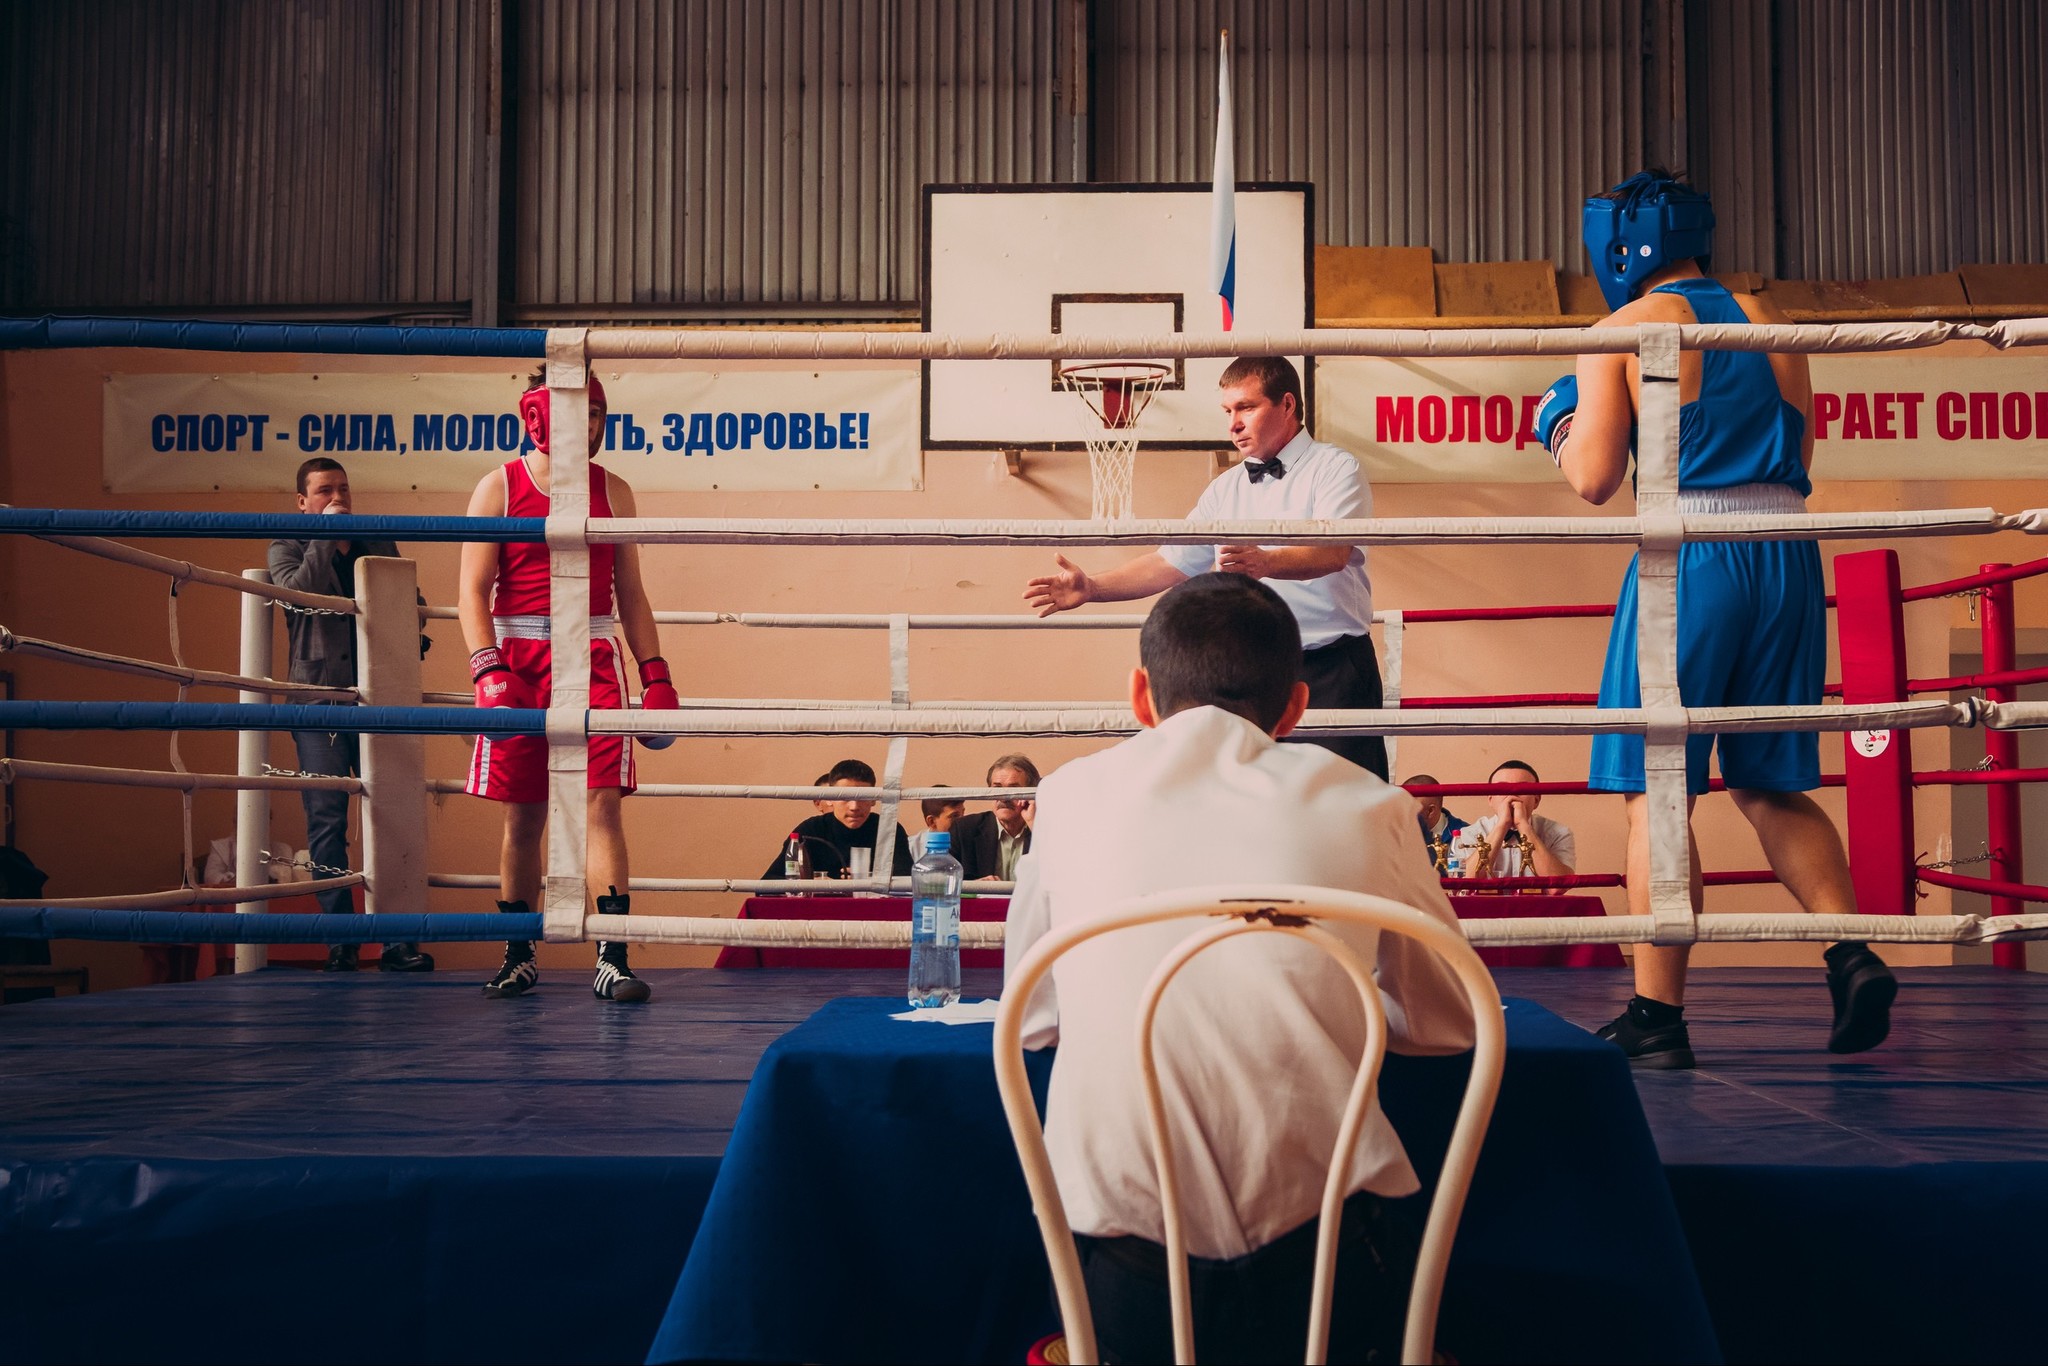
935	924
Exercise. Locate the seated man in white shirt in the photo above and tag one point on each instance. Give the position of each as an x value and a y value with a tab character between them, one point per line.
1521	843
1259	1038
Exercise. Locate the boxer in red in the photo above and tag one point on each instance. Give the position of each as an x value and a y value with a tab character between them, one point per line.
504	604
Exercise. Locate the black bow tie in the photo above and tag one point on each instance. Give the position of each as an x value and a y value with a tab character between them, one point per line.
1265	469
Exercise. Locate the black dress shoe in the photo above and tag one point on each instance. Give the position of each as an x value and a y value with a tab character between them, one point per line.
1863	989
1659	1047
341	958
405	958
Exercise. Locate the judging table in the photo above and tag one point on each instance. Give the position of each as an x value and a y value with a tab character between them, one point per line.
870	1206
984	908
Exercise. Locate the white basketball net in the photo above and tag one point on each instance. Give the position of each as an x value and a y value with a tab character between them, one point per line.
1116	396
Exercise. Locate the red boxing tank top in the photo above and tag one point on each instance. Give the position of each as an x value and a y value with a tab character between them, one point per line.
522	587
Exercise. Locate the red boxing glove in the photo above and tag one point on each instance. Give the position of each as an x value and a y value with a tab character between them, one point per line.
496	684
657	693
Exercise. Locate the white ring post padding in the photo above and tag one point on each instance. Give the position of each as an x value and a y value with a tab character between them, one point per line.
1664	533
12	770
1461	1157
565	890
170	673
241	898
394	766
884	864
1353	531
899	660
252	747
186	572
664	343
1392	630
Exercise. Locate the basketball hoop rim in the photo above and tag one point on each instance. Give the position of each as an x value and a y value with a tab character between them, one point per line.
1130	371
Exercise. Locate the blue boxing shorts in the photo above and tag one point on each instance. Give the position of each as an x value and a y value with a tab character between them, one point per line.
1752	632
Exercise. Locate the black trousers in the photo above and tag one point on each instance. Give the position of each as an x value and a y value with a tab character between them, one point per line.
1255	1307
337	754
1346	673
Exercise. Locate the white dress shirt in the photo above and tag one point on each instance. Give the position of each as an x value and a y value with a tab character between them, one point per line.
1555	836
1259	1038
1323	483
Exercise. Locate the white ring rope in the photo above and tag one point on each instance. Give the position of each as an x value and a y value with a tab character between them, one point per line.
11	769
184	571
147	668
1366	531
619	343
189	896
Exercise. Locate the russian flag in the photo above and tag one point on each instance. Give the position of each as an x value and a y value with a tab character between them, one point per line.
1223	197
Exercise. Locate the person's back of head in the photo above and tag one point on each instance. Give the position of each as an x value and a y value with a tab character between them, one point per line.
1223	640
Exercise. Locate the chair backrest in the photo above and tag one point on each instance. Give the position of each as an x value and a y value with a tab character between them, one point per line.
1291	910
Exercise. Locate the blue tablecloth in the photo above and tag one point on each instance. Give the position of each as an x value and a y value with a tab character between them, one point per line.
870	1207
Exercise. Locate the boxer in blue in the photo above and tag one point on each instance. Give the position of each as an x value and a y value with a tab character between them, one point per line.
1752	623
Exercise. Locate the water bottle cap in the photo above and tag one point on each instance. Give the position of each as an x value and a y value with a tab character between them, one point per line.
939	842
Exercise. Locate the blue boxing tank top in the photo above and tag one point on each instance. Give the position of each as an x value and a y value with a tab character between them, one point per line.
1740	430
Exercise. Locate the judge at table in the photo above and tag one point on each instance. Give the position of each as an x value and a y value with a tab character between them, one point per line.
844	827
989	843
1258	1038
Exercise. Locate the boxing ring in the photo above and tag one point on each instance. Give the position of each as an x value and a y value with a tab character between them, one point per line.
667	1098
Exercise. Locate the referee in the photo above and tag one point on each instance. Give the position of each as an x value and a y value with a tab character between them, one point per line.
1285	476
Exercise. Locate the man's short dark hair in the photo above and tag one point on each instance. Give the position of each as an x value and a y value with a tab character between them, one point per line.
1275	375
933	806
1513	763
1222	640
850	769
319	464
1016	761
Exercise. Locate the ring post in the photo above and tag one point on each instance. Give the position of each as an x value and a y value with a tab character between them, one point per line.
252	809
1877	766
2002	748
1664	739
394	766
564	890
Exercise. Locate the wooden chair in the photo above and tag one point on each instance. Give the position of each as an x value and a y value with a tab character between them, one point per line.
1291	910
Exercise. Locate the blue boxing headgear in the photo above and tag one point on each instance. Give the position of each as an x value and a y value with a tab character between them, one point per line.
1654	221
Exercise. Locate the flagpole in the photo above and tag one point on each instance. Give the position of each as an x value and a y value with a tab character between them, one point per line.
1223	193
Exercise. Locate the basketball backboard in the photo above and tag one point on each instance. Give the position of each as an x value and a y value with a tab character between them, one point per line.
1097	260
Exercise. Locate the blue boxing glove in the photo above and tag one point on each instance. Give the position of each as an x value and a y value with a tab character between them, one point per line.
1554	415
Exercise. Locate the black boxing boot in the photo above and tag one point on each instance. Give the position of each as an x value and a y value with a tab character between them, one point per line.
1653	1034
520	974
1863	989
615	981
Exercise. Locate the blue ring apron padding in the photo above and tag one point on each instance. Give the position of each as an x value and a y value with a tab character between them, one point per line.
271	716
339	339
299	526
231	927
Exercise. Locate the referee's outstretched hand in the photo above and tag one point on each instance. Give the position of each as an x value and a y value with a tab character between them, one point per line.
1061	592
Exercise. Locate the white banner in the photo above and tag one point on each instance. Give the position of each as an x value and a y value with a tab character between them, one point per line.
743	426
1895	416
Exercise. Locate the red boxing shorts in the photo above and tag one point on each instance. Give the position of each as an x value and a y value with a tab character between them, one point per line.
514	768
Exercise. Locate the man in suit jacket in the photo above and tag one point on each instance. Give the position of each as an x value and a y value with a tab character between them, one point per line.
1256	1052
989	843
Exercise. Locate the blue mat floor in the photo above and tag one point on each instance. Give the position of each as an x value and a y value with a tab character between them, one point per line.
298	1167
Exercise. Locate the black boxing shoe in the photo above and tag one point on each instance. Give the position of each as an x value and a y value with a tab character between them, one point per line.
1863	989
341	958
404	958
1653	1035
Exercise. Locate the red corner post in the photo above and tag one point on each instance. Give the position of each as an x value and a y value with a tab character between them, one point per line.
2002	747
1870	629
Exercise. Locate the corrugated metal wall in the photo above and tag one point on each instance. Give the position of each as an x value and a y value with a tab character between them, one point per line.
756	156
764	151
237	153
1474	127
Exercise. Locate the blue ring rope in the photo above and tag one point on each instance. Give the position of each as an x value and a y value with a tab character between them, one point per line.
229	927
334	339
271	716
299	526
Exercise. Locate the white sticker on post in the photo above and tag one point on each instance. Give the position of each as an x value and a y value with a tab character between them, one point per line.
1870	743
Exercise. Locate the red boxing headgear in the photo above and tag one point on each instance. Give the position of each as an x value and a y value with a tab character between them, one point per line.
533	409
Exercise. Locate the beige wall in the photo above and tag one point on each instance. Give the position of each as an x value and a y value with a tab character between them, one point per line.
103	840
